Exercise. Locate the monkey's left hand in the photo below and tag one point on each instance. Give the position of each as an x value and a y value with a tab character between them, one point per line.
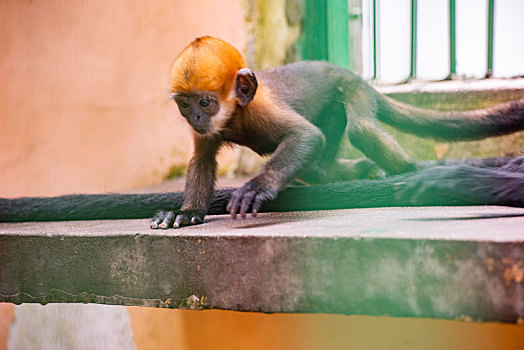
251	195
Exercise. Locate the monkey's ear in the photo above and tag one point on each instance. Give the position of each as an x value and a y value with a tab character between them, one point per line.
245	86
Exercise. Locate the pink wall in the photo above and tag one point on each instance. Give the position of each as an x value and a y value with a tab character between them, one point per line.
84	104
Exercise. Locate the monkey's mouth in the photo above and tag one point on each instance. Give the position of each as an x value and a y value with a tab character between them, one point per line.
201	131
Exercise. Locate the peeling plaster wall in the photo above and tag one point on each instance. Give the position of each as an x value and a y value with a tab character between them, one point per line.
274	27
84	104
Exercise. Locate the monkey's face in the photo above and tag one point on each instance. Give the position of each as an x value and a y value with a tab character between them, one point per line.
199	109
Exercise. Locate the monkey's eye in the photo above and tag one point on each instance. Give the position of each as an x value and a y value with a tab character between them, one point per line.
204	102
183	104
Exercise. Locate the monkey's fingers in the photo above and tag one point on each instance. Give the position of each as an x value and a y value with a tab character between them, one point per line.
234	203
157	219
197	220
252	194
181	220
257	203
247	200
186	219
162	219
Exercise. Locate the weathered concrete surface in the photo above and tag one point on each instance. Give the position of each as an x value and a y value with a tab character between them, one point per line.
442	262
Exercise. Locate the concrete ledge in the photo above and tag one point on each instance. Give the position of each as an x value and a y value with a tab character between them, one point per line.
439	262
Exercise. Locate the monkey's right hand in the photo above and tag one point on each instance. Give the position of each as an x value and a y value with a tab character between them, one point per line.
164	219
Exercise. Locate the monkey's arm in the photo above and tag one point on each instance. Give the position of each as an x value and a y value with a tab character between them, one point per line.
298	147
199	186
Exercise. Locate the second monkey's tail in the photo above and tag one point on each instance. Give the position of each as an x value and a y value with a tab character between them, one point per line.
501	119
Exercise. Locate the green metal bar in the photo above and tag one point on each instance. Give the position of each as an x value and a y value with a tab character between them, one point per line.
414	14
375	39
452	40
491	25
338	32
314	42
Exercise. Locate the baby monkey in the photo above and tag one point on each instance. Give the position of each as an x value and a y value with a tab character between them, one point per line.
298	113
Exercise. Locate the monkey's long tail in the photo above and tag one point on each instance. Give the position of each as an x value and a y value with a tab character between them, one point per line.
340	195
498	120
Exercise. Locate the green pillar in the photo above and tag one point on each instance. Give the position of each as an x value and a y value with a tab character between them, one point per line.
338	33
325	31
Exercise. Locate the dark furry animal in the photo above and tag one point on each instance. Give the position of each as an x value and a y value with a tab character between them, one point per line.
499	182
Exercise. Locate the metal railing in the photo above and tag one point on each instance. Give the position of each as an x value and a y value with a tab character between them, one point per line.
452	38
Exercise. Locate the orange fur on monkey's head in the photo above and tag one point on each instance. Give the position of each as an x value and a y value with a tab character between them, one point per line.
207	64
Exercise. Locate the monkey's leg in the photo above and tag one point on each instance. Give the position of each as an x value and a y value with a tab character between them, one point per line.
354	169
198	193
366	135
341	170
298	149
364	132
